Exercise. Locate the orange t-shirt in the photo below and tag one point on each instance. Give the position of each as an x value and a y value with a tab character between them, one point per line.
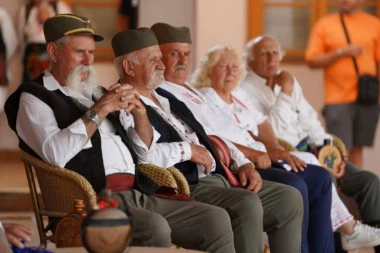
327	35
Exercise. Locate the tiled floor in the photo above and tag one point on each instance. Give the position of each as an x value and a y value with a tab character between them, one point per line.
12	178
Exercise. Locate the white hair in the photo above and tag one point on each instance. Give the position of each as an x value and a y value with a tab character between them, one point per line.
61	42
200	77
118	62
248	55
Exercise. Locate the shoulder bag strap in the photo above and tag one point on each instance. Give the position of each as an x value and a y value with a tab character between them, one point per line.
349	42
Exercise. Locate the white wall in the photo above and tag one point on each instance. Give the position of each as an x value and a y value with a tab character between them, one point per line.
174	12
220	22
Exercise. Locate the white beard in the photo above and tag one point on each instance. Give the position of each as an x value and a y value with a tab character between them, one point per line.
157	79
77	88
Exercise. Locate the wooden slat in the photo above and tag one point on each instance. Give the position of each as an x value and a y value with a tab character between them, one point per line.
15	201
255	18
364	4
7	155
294	55
95	3
289	4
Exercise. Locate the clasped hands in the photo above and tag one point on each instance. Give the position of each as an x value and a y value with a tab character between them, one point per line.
120	97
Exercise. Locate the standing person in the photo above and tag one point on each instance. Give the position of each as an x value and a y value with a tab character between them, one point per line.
8	45
57	120
278	95
30	25
127	16
328	48
175	45
184	144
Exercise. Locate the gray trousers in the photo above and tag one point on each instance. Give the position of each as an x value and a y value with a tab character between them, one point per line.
189	224
235	218
364	187
277	209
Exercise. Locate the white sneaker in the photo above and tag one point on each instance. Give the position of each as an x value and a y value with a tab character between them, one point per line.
362	237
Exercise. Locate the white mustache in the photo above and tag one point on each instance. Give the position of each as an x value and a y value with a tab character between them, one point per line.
158	72
180	66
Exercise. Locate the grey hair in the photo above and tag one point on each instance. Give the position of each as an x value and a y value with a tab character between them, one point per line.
61	42
118	62
249	57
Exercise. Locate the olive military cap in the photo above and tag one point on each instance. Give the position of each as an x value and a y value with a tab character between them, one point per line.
166	33
132	40
62	25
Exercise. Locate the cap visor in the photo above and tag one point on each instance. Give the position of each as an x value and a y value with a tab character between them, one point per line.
98	37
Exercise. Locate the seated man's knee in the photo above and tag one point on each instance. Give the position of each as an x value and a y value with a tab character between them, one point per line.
320	173
216	224
371	180
249	204
156	232
291	195
161	232
296	182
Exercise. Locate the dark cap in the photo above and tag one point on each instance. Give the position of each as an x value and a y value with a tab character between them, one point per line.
132	40
166	33
62	25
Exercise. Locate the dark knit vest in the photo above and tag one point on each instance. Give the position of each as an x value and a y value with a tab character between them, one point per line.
169	134
88	162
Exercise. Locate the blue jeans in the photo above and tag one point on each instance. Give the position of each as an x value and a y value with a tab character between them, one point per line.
314	185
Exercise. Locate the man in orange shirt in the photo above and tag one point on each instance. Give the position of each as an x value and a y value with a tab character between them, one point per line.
354	123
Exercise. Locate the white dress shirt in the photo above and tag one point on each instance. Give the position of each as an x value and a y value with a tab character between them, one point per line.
38	128
292	118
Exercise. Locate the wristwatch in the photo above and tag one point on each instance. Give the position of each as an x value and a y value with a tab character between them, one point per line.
93	116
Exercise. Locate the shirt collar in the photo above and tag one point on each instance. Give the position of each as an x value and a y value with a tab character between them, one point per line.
51	84
211	93
258	80
148	101
262	83
164	102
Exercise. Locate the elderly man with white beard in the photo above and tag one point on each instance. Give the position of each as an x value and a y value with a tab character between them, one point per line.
64	118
